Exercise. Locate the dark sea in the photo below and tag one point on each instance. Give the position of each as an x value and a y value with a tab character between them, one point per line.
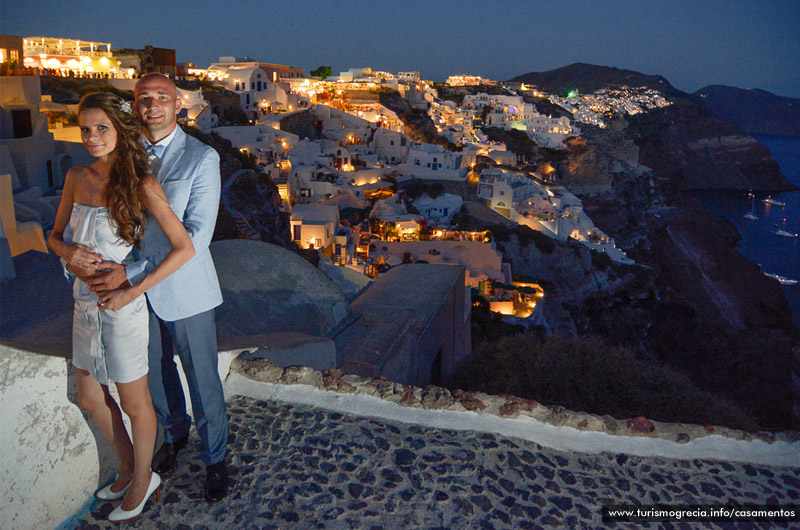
775	254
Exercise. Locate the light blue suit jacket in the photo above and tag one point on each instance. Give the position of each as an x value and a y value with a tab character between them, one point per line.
189	175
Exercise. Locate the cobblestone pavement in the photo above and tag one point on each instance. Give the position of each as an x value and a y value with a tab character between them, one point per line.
294	466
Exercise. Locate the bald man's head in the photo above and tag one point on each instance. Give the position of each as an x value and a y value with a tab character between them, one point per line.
157	104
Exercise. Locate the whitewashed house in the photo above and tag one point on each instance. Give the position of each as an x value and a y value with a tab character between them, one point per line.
257	94
319	153
248	83
345	241
390	147
503	189
321	169
440	210
342	126
511	112
314	226
408	76
503	157
266	143
434	162
30	154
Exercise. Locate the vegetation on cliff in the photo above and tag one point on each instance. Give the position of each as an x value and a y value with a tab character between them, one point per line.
585	374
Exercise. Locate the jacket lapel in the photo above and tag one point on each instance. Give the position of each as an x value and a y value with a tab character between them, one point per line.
172	154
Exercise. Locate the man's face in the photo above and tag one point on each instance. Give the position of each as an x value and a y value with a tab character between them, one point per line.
157	104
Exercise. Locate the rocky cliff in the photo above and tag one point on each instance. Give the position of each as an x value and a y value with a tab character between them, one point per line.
753	111
593	161
692	302
694	150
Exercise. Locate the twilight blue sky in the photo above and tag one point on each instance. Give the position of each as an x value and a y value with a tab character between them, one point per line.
743	43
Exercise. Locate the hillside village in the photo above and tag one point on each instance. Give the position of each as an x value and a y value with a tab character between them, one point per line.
362	186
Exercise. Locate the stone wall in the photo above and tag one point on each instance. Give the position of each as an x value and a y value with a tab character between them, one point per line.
51	443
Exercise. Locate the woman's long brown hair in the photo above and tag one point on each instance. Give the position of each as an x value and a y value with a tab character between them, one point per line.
124	194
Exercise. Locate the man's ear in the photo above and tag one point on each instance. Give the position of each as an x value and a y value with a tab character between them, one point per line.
178	104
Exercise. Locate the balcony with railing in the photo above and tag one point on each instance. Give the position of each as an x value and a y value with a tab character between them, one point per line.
51	46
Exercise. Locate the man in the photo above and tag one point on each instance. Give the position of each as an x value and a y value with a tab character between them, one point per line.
182	306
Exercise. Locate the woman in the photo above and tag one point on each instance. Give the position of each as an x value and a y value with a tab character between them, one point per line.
105	205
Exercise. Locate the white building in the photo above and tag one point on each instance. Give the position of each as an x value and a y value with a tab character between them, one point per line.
482	261
345	240
408	77
314	226
434	162
29	152
339	125
511	112
544	130
390	147
275	72
321	169
196	110
265	142
468	80
440	210
504	189
319	153
477	102
254	89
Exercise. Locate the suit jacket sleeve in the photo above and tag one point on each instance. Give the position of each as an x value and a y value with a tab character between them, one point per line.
200	217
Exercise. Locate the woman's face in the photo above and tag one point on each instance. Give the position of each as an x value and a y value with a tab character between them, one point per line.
97	132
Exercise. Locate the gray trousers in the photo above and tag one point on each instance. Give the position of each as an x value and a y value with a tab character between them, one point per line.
194	339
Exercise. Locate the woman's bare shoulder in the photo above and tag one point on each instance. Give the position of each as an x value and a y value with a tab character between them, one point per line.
77	173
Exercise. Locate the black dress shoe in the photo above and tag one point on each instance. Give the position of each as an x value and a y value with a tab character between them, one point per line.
167	456
216	482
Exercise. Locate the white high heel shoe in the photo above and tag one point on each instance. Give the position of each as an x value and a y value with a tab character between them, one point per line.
119	515
106	494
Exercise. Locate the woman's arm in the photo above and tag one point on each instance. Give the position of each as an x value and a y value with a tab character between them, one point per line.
79	258
181	252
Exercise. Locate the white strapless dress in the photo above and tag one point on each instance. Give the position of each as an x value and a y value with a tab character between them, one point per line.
111	345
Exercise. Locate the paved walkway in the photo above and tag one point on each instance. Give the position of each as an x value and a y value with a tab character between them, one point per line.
295	466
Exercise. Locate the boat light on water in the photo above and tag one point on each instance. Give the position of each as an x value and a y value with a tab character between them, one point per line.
774	202
783	279
752	213
783	233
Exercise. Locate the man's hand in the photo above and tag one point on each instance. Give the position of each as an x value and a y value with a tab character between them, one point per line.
116	300
109	277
